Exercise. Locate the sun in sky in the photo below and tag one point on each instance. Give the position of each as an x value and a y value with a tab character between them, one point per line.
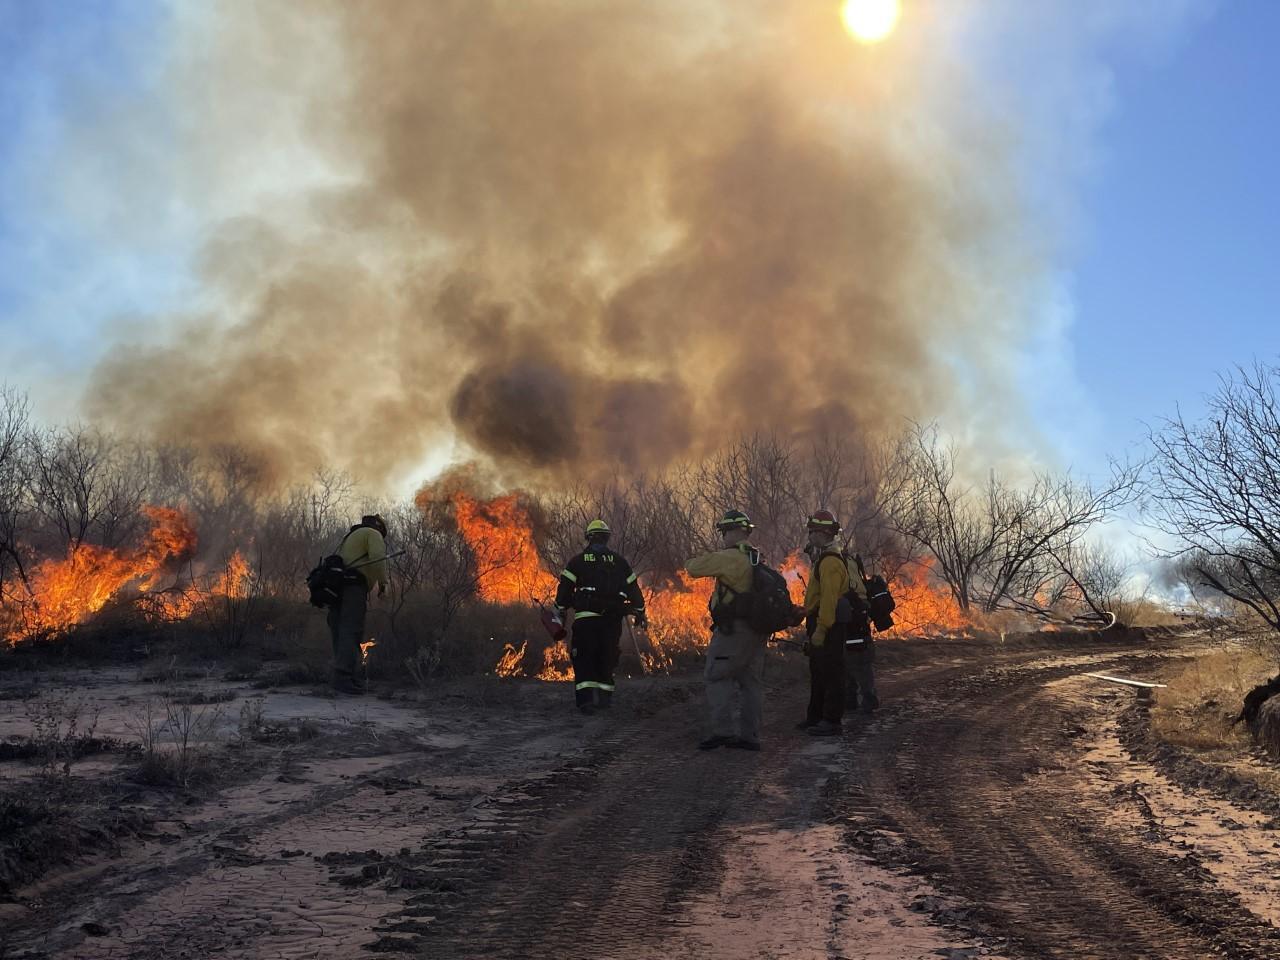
870	21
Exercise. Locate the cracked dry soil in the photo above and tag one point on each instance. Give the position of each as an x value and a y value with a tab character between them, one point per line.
993	809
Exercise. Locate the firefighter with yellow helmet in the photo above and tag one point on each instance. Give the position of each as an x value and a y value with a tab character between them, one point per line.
828	584
600	587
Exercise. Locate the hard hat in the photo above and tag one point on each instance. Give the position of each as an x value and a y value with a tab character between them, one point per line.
597	528
824	521
735	520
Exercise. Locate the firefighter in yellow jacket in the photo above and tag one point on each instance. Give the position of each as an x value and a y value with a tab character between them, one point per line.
828	584
600	587
365	544
735	656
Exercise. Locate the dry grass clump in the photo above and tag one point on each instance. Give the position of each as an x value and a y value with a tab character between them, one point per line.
1145	612
1196	710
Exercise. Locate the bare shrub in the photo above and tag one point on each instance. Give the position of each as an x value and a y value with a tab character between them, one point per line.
15	504
252	721
174	740
254	727
1212	485
62	726
1000	545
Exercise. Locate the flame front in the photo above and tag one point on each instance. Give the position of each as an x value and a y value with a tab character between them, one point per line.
66	592
924	605
500	536
180	602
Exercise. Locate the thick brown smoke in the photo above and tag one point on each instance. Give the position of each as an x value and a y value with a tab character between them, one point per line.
578	235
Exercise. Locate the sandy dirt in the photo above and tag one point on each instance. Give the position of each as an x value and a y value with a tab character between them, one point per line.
991	809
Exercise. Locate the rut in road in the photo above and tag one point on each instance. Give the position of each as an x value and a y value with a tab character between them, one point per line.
951	777
605	876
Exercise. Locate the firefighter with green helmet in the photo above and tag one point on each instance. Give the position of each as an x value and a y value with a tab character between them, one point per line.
600	587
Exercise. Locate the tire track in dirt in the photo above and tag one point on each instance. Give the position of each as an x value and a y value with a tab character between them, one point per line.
604	874
947	785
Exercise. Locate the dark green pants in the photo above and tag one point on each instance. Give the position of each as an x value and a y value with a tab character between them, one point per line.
346	629
826	678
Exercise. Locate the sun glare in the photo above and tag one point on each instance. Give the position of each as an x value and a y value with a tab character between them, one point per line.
870	21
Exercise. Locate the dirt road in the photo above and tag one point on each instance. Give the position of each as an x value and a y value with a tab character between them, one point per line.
990	809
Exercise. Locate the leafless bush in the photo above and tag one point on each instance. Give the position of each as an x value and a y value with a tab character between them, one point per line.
61	726
1000	545
174	739
252	722
15	505
1213	486
88	486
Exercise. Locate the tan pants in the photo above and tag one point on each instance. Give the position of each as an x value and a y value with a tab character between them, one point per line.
735	662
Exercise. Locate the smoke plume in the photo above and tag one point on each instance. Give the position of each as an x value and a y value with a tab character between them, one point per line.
570	237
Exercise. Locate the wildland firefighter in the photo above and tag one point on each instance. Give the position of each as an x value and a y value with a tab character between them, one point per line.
827	587
600	587
364	557
735	656
859	644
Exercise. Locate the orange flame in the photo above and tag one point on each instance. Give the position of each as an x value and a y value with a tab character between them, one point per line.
923	605
180	602
364	651
556	664
793	569
500	536
66	592
511	663
678	618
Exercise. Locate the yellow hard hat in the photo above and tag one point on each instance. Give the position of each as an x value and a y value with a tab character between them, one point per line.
597	528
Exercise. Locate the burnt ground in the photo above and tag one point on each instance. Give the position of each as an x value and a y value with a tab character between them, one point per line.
1001	804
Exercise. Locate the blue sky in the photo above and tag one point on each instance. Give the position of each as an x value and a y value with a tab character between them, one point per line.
1176	277
1167	202
62	65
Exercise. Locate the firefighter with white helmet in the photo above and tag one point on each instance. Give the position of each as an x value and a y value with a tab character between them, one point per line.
600	587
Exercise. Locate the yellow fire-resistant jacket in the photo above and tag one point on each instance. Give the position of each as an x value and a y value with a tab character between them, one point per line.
828	584
366	543
731	567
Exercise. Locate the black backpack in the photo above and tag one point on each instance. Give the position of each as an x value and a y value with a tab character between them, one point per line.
327	578
880	603
767	606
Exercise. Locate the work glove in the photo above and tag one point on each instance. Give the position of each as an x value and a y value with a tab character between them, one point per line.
640	619
797	615
819	637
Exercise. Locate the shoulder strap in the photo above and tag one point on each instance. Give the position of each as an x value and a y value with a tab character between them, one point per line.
753	555
344	540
